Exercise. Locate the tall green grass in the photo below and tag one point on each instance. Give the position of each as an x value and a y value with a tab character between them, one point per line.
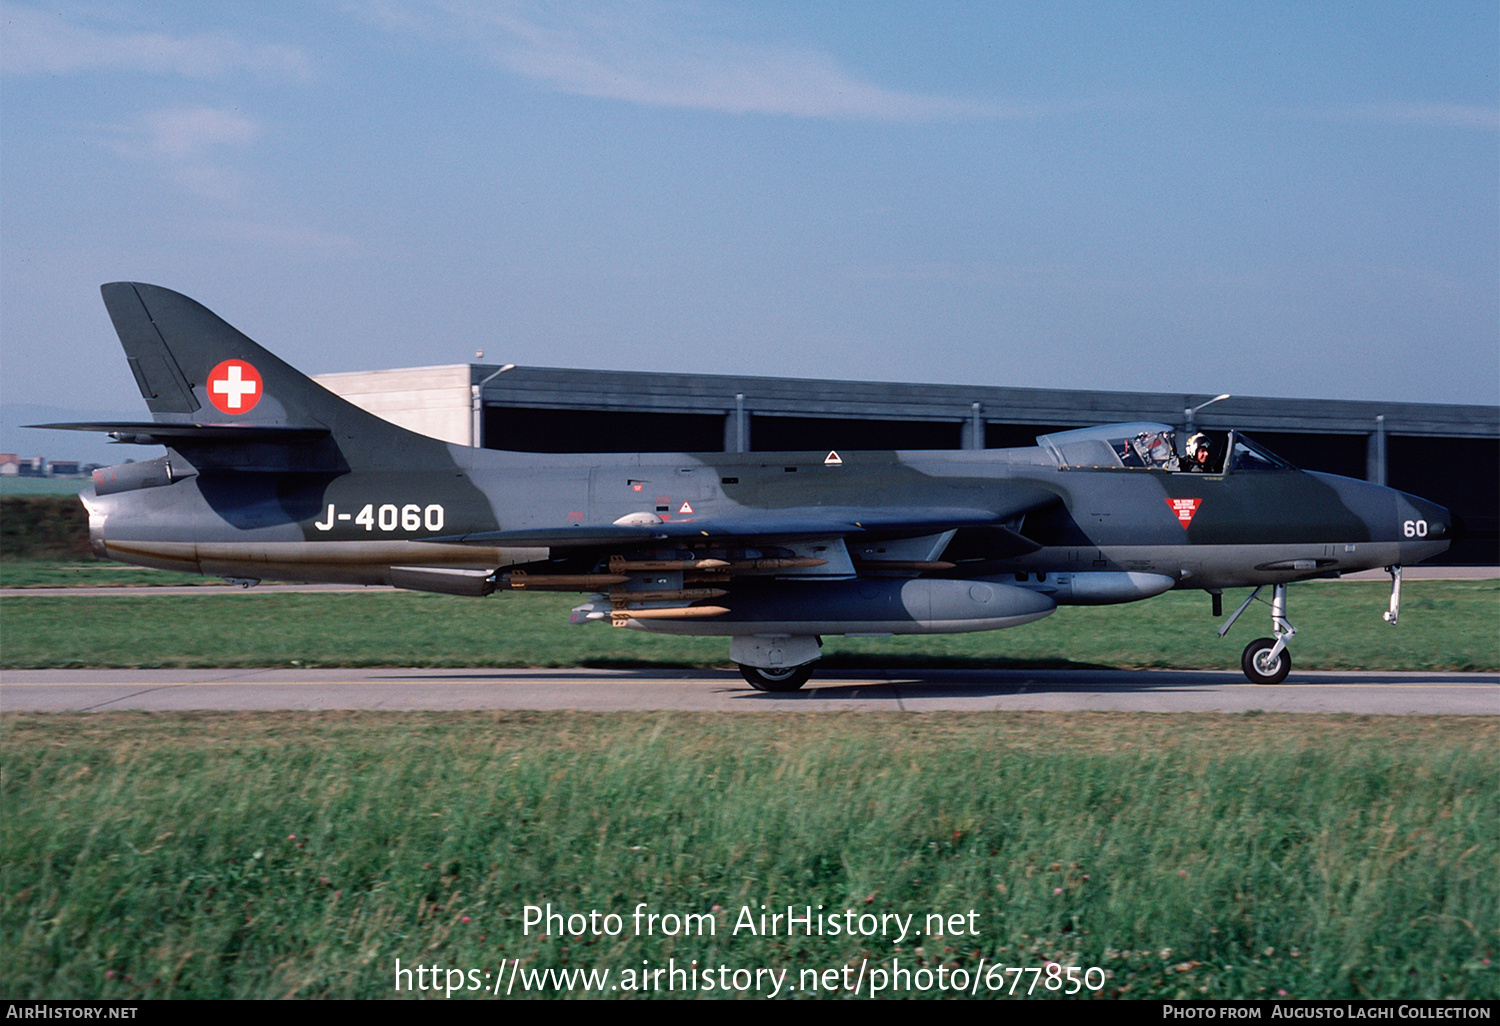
1186	856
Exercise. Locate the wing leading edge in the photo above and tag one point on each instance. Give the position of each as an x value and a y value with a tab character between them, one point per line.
767	525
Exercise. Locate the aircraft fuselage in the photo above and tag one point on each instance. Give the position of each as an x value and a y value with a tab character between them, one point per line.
1202	530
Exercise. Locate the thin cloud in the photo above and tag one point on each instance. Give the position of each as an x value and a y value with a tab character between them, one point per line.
186	142
41	43
184	133
659	56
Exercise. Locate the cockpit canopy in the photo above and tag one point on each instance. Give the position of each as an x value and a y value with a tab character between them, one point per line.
1144	445
1140	444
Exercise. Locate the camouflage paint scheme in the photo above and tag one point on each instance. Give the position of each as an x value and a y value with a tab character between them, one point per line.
269	476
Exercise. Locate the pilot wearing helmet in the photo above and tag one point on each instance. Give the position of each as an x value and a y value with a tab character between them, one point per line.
1199	454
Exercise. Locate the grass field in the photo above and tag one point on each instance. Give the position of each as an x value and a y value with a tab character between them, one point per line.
297	855
1445	625
1186	856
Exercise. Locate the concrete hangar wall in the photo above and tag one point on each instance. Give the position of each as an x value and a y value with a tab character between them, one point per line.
1447	453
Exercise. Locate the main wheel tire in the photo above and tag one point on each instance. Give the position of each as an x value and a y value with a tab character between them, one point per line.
763	679
1260	667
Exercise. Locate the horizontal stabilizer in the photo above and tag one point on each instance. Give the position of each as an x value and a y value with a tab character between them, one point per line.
152	433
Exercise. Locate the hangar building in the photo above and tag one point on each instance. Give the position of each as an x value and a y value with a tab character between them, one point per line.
1447	453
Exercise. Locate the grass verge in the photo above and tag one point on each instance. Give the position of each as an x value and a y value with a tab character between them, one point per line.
1187	856
1445	625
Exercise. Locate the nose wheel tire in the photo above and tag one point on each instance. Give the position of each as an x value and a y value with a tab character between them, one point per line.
1262	667
763	679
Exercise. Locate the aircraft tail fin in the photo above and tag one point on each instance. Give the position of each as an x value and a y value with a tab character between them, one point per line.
217	386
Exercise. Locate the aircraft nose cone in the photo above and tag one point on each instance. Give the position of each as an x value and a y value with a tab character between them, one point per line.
1424	522
1438	521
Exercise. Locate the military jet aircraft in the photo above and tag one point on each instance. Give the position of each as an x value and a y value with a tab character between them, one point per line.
269	476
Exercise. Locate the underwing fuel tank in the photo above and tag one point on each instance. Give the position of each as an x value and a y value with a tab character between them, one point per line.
1097	587
870	606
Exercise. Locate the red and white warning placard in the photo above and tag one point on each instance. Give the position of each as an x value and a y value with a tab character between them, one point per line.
1184	508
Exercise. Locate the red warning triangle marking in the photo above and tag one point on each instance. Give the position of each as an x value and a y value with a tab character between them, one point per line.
833	460
685	508
1184	508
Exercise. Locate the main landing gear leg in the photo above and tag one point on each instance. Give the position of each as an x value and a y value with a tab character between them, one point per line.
1266	660
775	662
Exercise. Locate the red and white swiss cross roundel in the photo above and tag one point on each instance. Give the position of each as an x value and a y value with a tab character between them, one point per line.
234	387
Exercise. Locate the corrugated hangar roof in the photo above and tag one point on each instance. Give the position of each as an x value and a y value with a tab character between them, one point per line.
561	388
1448	453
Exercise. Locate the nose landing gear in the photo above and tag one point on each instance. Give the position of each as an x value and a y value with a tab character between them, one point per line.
1266	660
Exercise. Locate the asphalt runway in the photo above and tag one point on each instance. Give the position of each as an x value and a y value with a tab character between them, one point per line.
397	689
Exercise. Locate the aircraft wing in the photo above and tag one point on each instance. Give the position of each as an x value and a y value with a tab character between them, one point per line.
767	525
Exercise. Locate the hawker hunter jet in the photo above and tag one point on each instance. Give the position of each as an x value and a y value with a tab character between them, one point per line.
269	476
